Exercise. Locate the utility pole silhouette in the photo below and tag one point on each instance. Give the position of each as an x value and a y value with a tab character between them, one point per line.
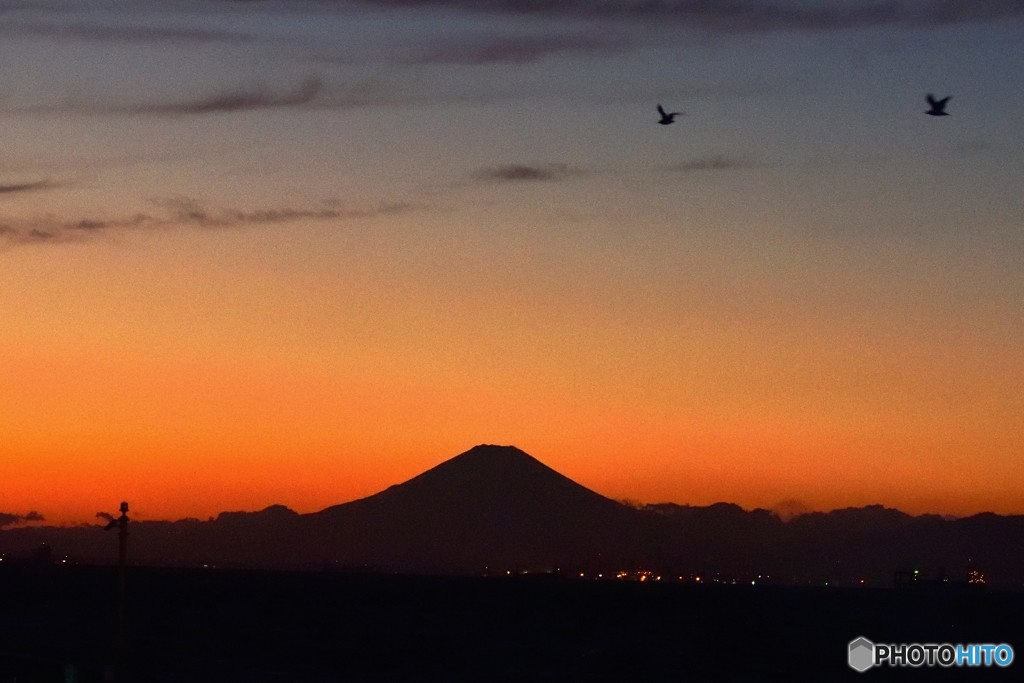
121	524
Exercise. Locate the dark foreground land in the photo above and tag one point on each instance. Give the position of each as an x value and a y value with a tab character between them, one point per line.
217	625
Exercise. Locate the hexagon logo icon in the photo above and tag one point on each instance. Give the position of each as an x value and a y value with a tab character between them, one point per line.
861	654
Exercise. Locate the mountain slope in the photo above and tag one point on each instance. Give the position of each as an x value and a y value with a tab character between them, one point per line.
492	506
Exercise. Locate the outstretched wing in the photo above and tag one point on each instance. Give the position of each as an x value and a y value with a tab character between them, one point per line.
662	111
937	104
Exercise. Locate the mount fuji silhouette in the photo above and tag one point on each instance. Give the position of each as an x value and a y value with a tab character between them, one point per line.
490	507
495	509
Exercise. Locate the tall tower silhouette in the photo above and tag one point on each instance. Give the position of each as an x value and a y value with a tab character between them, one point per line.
121	524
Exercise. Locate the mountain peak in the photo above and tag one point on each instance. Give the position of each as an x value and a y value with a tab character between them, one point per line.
489	476
494	453
492	468
493	448
491	505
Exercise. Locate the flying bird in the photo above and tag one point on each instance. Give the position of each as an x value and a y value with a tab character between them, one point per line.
666	116
938	107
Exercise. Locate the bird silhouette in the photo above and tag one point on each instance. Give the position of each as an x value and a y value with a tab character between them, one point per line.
666	116
938	107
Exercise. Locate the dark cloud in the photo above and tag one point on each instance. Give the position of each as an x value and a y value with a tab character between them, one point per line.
123	34
309	93
13	235
518	172
10	519
236	100
515	50
182	212
10	188
185	211
49	230
746	15
719	162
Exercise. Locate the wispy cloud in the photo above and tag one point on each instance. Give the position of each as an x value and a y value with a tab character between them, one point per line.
513	50
185	211
12	188
10	519
308	93
49	230
747	15
182	212
123	33
520	172
718	162
231	101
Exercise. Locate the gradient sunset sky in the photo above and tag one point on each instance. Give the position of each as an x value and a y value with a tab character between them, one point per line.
295	252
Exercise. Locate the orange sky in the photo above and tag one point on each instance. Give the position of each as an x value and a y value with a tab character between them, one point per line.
235	391
262	258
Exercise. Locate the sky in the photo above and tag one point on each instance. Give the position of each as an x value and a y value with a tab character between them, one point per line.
295	252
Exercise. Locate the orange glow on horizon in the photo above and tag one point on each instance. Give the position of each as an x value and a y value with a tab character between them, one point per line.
190	399
186	439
